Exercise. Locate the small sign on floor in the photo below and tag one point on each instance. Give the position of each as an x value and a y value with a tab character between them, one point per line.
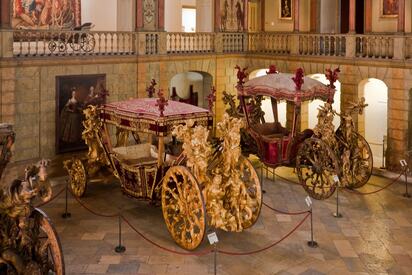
212	237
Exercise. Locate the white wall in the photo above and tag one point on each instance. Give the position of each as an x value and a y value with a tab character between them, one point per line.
204	15
382	24
102	13
173	15
329	16
109	15
125	15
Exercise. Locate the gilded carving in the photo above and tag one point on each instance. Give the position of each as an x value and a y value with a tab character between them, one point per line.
28	242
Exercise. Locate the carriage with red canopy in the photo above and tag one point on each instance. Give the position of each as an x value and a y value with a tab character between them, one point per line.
318	154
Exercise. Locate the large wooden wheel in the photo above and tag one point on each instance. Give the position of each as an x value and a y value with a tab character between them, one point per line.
316	166
183	207
49	248
253	197
77	177
360	165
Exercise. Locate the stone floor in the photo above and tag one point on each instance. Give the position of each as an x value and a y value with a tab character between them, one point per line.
374	236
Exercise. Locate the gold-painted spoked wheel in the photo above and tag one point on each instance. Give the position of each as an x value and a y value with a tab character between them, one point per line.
183	207
253	199
316	166
48	247
77	177
361	162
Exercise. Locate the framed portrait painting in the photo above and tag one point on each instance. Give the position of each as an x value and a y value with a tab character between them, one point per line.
285	9
73	94
389	8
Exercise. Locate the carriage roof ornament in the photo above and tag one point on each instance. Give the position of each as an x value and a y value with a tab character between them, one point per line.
151	88
241	75
161	102
272	70
332	76
298	79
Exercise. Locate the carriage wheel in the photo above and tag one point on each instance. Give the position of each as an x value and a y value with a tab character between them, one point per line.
49	246
254	191
361	162
77	177
87	42
316	165
183	207
52	46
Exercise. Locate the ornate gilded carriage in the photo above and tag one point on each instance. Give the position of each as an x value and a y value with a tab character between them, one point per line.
318	154
198	183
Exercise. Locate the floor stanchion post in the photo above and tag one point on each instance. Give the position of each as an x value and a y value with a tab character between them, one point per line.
406	194
66	214
261	177
120	248
337	182
311	243
215	257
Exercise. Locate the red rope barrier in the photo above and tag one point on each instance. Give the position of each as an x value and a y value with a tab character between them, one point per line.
372	192
266	247
201	253
52	199
91	210
286	213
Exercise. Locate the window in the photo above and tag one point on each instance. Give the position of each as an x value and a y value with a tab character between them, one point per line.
189	19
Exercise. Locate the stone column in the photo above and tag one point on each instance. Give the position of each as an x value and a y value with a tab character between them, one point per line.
295	15
352	16
401	16
313	15
139	15
368	16
217	15
262	15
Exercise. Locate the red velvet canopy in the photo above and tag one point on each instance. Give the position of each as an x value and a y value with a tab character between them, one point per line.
143	115
282	87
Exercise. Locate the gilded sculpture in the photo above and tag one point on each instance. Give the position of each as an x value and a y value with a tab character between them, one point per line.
346	142
28	242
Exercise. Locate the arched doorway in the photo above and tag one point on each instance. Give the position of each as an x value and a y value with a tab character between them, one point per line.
199	83
375	128
314	105
266	103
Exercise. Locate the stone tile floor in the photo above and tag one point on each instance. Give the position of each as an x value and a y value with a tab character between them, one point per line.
374	236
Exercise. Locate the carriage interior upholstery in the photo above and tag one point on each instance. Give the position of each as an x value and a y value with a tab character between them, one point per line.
138	154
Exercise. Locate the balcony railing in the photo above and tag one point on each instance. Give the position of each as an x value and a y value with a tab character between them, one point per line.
41	43
69	43
375	46
278	43
322	44
183	42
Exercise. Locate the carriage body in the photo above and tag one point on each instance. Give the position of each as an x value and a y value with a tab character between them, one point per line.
278	145
138	170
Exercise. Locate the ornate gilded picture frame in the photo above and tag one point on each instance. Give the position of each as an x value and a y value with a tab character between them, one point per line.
73	94
285	9
389	8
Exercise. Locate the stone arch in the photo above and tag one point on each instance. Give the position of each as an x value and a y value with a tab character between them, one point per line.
373	124
201	83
